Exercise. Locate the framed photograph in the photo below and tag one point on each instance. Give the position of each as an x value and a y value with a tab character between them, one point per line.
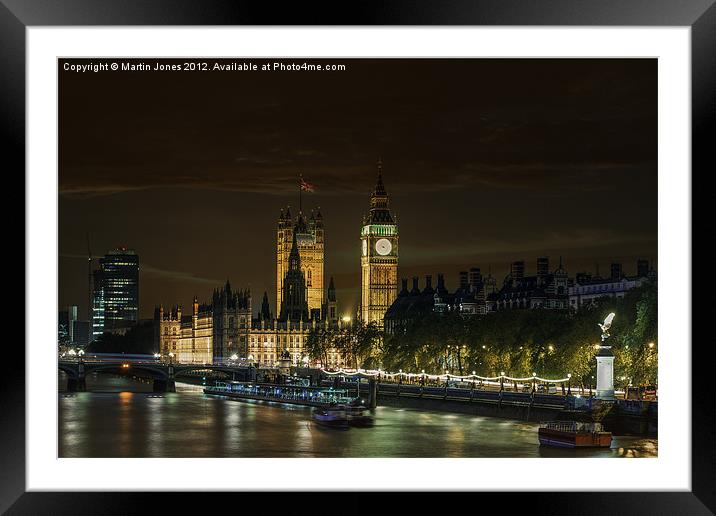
419	249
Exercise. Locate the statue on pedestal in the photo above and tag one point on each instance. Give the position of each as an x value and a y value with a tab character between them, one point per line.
605	363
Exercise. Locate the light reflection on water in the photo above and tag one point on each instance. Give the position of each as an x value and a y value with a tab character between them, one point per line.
189	424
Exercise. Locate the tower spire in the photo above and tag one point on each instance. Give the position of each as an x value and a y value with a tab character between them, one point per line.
379	187
379	210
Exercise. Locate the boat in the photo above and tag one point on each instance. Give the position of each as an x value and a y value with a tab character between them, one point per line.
332	417
574	434
359	415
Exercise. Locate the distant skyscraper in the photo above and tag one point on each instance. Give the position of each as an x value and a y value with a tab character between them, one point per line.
63	327
97	305
71	318
116	292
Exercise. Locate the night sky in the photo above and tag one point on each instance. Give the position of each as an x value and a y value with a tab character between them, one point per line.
486	162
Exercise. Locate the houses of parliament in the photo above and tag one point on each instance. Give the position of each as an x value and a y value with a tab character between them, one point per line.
227	327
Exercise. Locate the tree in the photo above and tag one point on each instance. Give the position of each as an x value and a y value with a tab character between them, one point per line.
519	342
138	339
318	344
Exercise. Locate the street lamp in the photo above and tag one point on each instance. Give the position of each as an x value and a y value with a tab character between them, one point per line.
171	357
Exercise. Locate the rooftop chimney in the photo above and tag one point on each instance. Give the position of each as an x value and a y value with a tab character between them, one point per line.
428	284
642	268
542	266
441	283
517	270
464	284
475	277
616	271
404	290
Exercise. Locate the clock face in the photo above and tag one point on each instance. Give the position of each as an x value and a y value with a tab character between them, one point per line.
365	248
383	246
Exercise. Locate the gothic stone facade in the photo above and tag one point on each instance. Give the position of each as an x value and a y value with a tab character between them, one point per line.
310	240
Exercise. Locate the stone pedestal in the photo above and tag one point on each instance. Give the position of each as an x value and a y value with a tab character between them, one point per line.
605	373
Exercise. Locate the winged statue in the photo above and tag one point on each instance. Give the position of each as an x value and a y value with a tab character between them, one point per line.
606	325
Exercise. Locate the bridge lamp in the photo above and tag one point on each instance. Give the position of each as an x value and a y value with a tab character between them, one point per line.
72	352
156	355
234	356
81	352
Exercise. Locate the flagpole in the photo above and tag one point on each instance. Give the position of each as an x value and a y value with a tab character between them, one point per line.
300	188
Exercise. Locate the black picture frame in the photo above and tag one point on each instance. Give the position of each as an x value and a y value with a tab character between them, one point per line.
699	15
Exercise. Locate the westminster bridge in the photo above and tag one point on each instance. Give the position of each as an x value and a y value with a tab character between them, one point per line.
162	373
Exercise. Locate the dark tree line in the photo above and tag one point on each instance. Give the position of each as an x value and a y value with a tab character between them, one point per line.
519	343
139	339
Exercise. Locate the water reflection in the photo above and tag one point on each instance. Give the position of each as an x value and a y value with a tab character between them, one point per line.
189	424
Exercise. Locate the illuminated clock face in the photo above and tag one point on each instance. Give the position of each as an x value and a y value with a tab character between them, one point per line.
365	248
383	246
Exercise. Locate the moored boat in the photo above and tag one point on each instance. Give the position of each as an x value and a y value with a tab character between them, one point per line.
574	434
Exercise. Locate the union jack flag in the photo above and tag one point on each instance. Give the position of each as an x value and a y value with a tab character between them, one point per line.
306	187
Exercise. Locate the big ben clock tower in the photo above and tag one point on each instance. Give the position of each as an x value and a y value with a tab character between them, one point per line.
379	256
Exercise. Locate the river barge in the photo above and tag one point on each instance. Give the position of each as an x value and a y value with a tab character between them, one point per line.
574	434
321	397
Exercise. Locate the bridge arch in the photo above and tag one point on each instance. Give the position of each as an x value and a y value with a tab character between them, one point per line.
157	373
69	370
228	371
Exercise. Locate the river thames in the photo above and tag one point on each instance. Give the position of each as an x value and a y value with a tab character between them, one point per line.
123	418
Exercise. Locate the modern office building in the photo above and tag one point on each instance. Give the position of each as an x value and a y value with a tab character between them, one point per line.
70	330
115	302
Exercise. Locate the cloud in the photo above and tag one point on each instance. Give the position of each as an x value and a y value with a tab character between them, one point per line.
272	177
565	241
147	269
